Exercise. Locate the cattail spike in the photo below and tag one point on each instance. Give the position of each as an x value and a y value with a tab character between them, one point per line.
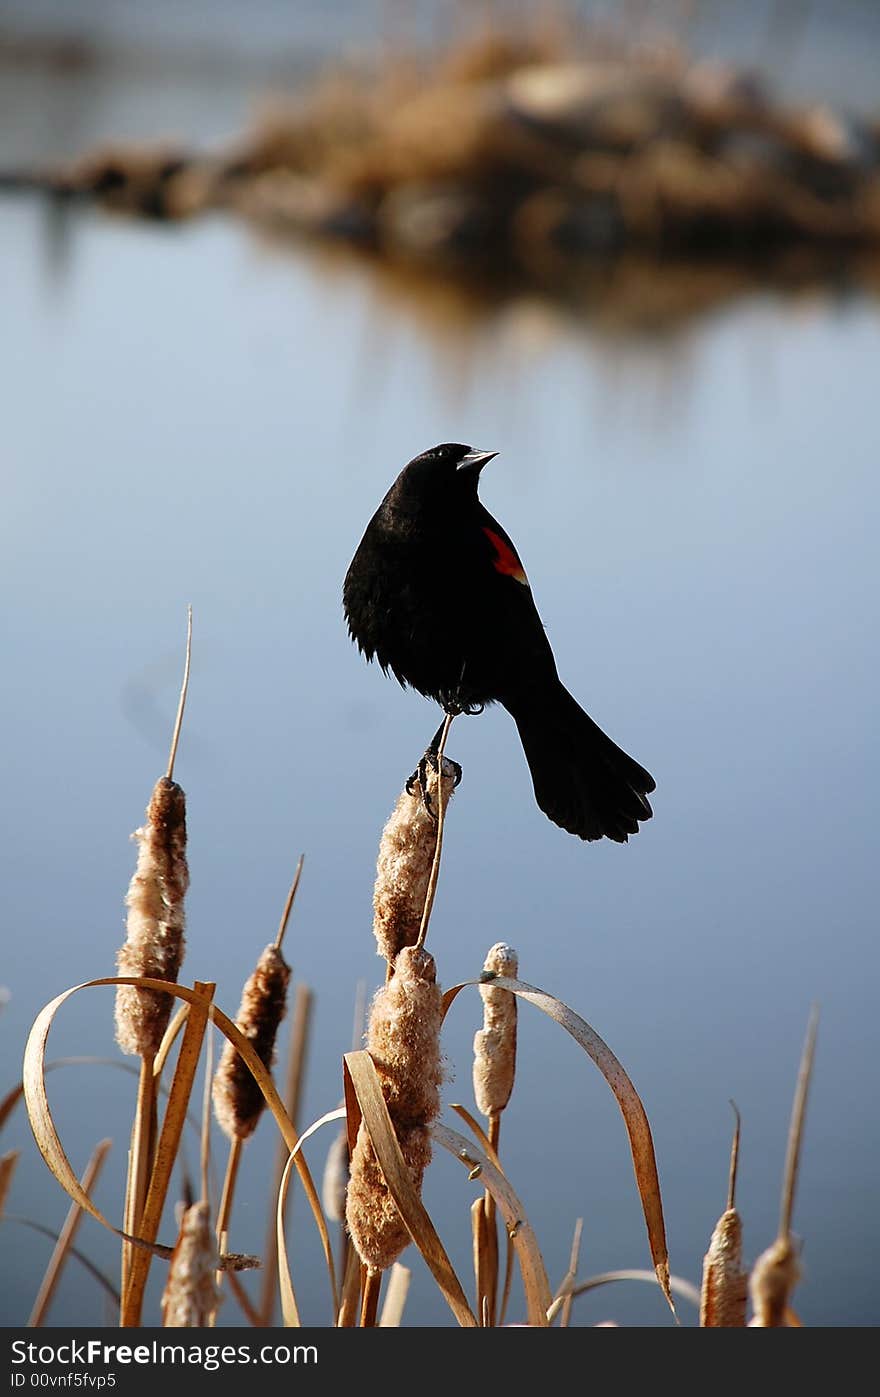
403	1039
191	1297
495	1043
238	1100
154	943
774	1276
725	1282
403	868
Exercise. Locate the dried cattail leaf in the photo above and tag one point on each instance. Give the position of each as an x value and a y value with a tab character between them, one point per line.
774	1276
335	1182
403	1038
238	1100
377	1229
191	1297
725	1283
154	943
403	868
495	1043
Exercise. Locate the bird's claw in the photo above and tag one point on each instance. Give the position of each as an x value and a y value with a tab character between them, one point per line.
419	778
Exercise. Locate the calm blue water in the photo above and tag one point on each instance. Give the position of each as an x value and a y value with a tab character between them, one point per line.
193	417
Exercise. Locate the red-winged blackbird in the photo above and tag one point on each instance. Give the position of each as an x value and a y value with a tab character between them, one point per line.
437	594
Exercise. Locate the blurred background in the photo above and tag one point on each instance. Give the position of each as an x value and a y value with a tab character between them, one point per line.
255	258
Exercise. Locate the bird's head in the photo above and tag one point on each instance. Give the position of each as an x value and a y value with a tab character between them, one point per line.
450	470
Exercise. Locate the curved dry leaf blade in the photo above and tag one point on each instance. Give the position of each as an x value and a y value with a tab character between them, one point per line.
367	1088
289	1308
483	1139
289	1134
635	1119
686	1290
167	1146
49	1143
177	1022
539	1297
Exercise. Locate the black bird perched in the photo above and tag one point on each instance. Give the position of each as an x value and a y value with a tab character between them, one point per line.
437	594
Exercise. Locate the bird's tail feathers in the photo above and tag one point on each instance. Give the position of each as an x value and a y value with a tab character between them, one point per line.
583	781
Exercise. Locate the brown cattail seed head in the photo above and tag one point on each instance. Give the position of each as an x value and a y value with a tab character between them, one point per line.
191	1297
377	1229
495	1043
774	1276
725	1283
154	941
335	1182
238	1100
403	1038
403	868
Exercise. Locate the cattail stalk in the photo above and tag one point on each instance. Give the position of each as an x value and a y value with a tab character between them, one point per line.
403	1039
725	1282
777	1270
153	947
238	1100
494	1072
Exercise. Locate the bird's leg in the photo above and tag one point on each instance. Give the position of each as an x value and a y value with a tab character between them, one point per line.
429	762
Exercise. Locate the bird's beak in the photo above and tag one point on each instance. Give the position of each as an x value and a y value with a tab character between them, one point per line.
474	461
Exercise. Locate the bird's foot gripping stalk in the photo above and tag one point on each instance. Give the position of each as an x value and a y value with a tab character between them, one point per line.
430	762
419	779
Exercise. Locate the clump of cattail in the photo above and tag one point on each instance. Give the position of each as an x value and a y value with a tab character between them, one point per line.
777	1270
493	1073
403	1039
403	868
774	1276
191	1297
725	1283
495	1042
378	1231
238	1100
154	941
723	1296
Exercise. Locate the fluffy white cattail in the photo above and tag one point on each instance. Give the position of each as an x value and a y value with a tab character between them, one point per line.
191	1297
403	868
403	1039
495	1043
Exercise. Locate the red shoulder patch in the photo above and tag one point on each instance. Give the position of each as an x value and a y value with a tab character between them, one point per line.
505	560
